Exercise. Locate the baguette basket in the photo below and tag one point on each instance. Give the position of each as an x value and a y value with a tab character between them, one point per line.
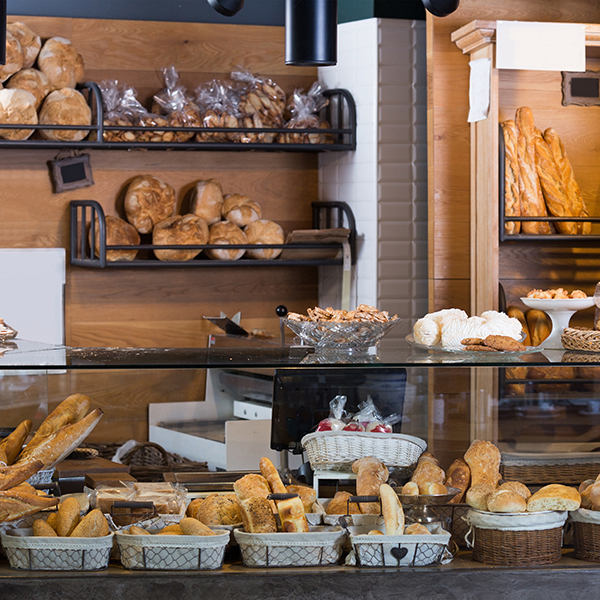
28	552
320	547
337	450
586	534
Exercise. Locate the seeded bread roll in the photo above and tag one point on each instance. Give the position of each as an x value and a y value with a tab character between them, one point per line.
64	107
477	495
207	200
148	201
554	497
483	459
14	57
512	199
264	232
186	229
63	65
30	42
225	233
33	81
17	106
257	516
505	501
240	210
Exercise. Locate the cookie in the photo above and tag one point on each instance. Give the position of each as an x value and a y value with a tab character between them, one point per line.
504	342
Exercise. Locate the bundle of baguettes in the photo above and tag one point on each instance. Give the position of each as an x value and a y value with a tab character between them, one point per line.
539	179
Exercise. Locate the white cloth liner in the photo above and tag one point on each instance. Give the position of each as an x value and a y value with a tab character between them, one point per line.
583	515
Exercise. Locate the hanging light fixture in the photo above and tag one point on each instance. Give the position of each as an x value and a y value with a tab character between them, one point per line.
310	32
227	8
2	32
441	8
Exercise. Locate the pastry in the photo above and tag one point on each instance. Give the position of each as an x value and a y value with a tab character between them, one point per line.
503	342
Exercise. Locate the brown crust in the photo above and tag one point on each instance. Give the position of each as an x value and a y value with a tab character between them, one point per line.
13	443
16	474
291	514
512	199
269	472
458	476
478	348
14	505
94	524
68	516
504	342
257	516
370	474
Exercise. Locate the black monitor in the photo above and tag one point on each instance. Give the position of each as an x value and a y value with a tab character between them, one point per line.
301	398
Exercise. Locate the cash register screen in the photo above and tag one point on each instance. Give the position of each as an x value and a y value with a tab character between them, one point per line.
301	398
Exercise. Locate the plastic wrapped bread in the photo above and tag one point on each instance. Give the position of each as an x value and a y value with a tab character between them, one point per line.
65	107
17	106
30	42
31	80
61	62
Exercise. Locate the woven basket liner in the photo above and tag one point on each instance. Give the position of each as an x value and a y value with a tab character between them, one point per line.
567	474
517	548
576	338
453	515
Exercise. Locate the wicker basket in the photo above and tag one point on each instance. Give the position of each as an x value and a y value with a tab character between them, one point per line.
567	468
518	539
337	450
580	338
454	515
586	534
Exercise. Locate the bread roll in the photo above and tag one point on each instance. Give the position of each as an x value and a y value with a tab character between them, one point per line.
30	42
218	509
52	519
586	501
512	199
458	476
118	233
194	506
17	106
393	515
483	459
191	526
257	516
307	494
436	489
32	81
339	505
539	325
14	57
63	65
554	497
12	444
42	529
517	487
426	473
64	107
94	524
370	474
186	229
135	530
173	529
417	529
68	516
593	493
505	501
478	494
148	201
207	200
225	233
410	489
264	232
240	210
375	532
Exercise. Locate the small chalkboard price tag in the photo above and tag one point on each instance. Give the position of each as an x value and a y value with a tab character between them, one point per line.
71	173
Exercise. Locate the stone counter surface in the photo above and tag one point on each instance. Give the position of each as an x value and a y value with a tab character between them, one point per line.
463	578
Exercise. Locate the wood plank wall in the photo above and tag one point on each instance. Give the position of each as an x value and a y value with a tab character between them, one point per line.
161	307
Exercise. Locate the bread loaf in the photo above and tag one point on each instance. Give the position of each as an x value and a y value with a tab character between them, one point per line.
63	65
68	516
135	530
17	106
14	57
15	474
186	229
458	476
173	529
148	200
240	210
483	459
94	524
477	495
515	373
217	509
264	232
16	503
426	473
532	201
251	486
505	501
42	529
291	515
191	526
539	325
428	457
417	529
270	473
370	474
549	373
257	516
32	81
3	458
207	200
393	515
339	505
64	107
516	313
410	488
225	233
307	494
12	444
512	199
30	42
118	233
517	487
554	497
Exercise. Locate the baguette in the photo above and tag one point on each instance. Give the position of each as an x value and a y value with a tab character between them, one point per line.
17	504
516	313
270	473
370	474
539	325
67	517
16	474
13	443
512	199
393	515
458	476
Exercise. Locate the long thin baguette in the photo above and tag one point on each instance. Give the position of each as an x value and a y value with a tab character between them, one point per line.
16	474
17	504
13	443
393	515
512	199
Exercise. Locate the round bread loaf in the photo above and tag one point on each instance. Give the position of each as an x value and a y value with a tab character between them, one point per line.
477	495
33	81
65	107
63	65
554	497
505	501
219	509
14	57
118	233
410	489
30	42
207	200
17	106
240	210
264	232
417	529
188	229
516	486
225	233
148	201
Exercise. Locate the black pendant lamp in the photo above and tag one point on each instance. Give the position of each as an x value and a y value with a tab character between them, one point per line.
310	32
2	32
227	8
441	8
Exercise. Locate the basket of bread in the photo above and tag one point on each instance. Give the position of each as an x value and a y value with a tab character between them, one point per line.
586	522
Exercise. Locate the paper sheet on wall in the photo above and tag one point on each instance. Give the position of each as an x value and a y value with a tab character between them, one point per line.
479	89
540	46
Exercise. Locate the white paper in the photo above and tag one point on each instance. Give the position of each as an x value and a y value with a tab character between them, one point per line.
479	89
540	46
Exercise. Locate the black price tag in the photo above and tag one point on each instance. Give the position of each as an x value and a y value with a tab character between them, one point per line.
71	173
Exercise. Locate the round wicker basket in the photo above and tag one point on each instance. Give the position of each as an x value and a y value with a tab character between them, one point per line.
580	338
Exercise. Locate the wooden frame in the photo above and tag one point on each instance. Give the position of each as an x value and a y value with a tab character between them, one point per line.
67	173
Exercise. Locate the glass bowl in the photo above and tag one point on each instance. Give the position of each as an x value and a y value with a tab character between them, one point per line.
344	335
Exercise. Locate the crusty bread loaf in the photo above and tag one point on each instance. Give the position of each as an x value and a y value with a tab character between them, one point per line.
426	473
173	529
64	107
207	200
532	200
118	233
393	515
428	457
61	62
3	458
191	526
194	506
225	233
417	529
16	503
516	313
370	474
251	486
307	494
148	200
240	210
12	444
186	229
539	325
68	516
94	524
517	487
549	373
512	199
32	81
264	232
483	459
506	501
30	42
13	475
478	494
593	494
217	509
339	505
17	106
554	497
291	515
42	529
257	515
458	476
14	57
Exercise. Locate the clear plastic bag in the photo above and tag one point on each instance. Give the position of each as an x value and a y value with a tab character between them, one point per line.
114	112
335	421
218	102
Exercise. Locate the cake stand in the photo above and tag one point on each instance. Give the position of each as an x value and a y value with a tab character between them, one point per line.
421	510
560	313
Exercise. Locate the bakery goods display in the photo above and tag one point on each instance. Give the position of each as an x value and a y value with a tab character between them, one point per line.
148	200
64	106
61	63
556	294
118	233
17	106
186	229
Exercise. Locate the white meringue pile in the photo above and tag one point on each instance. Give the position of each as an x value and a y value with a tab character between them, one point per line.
450	326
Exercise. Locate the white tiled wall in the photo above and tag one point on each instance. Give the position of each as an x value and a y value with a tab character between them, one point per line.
382	63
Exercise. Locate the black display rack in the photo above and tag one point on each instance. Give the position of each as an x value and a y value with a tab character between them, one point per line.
86	214
340	113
